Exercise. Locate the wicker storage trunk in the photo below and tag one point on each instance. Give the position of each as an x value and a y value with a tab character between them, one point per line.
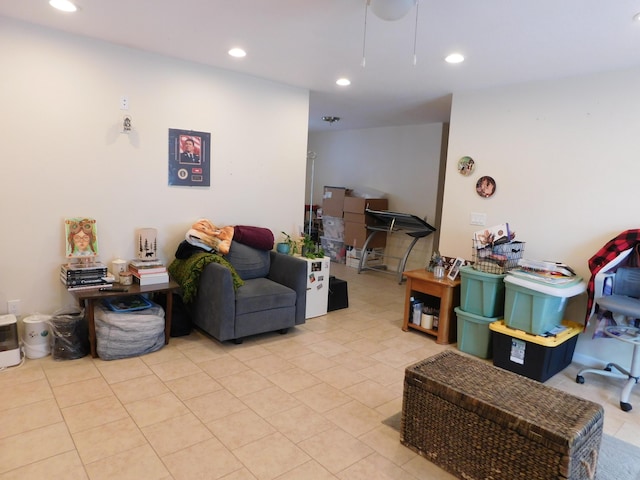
478	421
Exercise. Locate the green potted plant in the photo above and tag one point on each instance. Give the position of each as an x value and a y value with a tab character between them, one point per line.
286	245
310	249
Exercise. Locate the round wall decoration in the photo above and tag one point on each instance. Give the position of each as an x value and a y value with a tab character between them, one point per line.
486	186
466	165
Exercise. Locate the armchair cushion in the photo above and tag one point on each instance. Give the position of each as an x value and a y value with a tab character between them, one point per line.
261	294
248	262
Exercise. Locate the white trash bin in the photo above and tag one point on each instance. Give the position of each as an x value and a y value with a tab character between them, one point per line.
37	336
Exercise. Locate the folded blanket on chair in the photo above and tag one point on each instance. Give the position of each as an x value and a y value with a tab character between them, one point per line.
218	238
187	272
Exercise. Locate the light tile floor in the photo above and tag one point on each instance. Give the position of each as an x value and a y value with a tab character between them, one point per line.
305	405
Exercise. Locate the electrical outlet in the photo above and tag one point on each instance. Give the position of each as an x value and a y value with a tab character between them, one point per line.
478	219
124	103
13	306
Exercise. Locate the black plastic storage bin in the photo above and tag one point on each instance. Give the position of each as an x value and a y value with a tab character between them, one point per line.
533	356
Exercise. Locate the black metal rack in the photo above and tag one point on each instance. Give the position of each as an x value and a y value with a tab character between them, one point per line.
394	222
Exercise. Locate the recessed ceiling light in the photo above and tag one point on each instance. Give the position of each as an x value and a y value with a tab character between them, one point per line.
343	82
63	5
237	52
636	17
454	58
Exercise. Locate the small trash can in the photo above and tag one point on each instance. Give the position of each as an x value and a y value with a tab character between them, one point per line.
70	334
37	338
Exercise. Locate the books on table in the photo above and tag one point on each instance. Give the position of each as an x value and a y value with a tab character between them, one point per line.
151	278
84	276
148	272
147	269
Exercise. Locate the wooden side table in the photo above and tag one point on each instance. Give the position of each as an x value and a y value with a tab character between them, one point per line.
420	284
91	297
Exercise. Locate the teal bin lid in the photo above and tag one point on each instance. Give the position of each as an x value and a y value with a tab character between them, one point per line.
470	272
564	290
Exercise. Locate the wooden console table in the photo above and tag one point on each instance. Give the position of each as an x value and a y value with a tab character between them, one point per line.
91	297
421	283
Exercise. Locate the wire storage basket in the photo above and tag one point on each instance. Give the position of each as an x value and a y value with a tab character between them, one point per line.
497	258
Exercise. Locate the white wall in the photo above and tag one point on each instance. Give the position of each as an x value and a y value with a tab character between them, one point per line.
63	155
564	155
401	162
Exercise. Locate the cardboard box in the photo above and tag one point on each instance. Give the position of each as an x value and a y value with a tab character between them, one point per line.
355	234
375	256
333	201
358	204
355	217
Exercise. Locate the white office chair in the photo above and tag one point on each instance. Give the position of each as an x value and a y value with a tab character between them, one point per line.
625	301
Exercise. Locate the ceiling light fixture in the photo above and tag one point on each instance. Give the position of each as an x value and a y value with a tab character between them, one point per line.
237	52
391	11
63	5
343	82
330	120
454	58
636	17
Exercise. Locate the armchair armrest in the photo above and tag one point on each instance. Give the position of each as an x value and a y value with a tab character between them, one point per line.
291	272
214	307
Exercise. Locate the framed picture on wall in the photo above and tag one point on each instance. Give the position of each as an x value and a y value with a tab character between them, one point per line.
189	158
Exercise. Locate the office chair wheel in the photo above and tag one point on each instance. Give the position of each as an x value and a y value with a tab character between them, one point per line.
625	406
579	379
283	331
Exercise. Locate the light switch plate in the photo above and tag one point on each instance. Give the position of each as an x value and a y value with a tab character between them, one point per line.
478	218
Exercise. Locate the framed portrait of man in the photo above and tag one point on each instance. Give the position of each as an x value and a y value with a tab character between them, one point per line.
189	158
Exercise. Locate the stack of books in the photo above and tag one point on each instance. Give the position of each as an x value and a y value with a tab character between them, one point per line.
148	272
80	276
542	271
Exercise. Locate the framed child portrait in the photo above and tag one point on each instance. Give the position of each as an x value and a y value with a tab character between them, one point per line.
81	236
455	268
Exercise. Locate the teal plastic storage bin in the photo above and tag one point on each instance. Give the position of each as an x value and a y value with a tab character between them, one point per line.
481	293
535	307
474	334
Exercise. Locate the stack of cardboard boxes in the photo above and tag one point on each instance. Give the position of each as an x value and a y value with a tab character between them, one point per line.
345	223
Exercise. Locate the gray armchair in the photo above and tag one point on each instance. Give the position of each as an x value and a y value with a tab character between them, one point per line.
273	297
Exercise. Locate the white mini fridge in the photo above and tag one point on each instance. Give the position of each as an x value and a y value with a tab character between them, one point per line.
317	286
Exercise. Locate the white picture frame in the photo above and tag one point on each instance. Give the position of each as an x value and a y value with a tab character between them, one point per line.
455	268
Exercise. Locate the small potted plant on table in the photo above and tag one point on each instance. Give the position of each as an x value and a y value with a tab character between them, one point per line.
286	245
